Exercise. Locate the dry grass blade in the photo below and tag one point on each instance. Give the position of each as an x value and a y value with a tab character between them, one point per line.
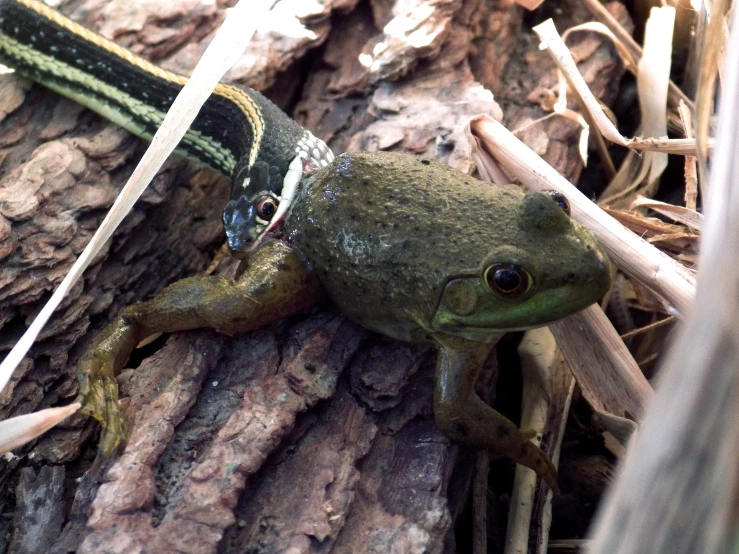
712	48
562	57
674	239
496	146
689	218
222	53
677	487
610	379
626	180
652	80
653	75
596	8
629	62
691	162
677	147
656	324
544	409
644	226
697	39
17	431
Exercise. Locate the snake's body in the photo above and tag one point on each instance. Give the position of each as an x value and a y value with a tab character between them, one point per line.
238	132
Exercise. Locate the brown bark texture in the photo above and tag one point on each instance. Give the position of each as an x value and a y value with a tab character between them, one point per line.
312	435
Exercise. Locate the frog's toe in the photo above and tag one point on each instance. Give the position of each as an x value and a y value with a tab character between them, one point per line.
113	436
529	434
541	463
98	394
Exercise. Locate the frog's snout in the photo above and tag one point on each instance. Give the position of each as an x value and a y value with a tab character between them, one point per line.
585	272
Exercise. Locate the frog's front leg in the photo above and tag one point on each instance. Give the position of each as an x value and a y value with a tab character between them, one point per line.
275	284
466	419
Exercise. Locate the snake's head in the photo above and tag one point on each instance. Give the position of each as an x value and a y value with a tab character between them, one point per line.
262	201
258	204
246	221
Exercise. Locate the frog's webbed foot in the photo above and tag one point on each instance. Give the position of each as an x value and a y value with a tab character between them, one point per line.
466	419
98	391
275	284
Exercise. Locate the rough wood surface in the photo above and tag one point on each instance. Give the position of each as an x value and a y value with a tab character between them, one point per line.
309	436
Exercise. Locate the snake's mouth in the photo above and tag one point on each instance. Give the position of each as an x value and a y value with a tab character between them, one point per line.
241	245
312	156
274	231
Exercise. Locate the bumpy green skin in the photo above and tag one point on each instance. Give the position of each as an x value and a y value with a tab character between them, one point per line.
401	245
386	233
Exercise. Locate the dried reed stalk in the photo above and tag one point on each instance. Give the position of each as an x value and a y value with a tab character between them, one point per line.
676	490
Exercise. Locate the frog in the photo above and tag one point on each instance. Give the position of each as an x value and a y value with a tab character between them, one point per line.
406	247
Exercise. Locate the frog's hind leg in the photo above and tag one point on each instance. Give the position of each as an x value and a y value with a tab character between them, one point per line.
275	284
466	419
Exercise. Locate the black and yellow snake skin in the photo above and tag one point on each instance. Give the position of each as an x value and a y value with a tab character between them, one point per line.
238	132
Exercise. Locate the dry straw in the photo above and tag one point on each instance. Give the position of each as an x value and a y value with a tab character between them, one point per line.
605	370
676	489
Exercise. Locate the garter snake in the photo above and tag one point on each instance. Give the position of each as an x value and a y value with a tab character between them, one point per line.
238	132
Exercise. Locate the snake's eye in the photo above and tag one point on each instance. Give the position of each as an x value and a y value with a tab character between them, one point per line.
560	199
508	280
266	207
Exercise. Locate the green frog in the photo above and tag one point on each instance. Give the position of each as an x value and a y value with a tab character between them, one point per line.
408	248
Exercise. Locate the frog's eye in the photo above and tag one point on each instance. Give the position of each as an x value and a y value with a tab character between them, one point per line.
508	280
266	207
560	199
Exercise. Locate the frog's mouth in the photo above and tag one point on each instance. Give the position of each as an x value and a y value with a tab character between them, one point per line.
483	333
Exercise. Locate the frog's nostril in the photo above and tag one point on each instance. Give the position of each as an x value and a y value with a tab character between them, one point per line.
595	252
602	258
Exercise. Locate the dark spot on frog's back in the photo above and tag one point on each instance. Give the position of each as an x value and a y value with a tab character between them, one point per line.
501	431
261	289
462	429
